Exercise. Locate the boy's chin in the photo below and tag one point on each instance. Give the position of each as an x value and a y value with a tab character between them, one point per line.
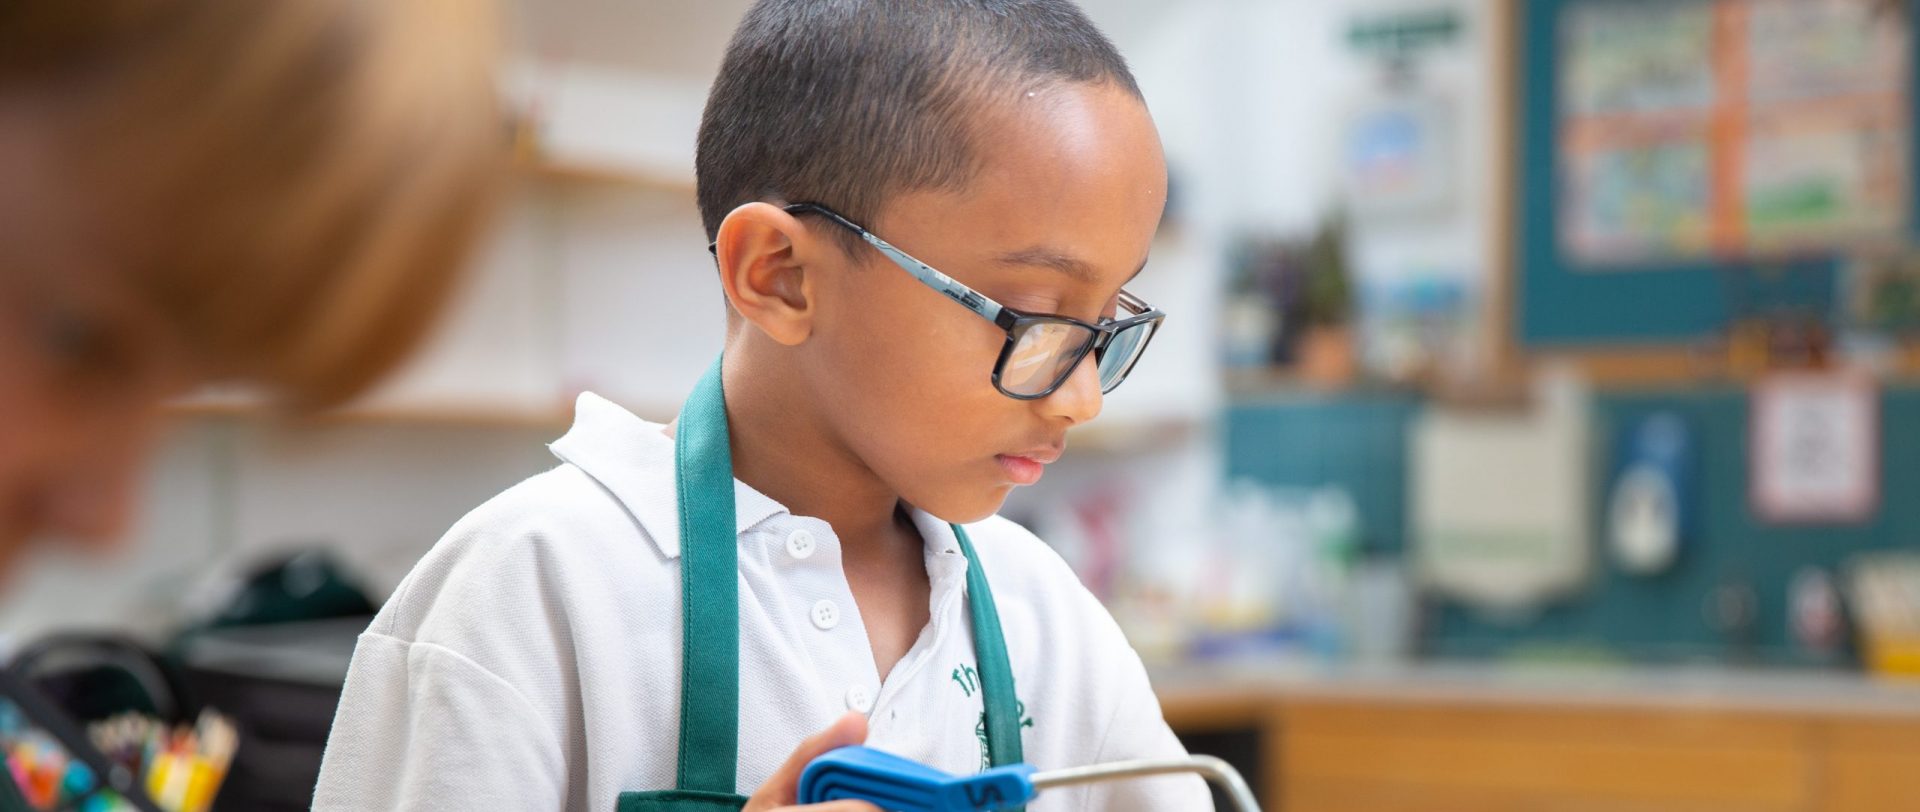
965	508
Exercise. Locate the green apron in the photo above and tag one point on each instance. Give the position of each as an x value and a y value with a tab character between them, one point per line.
710	608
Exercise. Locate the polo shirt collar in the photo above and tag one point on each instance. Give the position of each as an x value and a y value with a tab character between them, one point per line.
633	459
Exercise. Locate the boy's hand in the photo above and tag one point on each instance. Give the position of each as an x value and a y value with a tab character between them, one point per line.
778	794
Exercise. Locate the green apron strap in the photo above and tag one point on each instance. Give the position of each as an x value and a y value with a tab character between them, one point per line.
710	592
710	605
996	670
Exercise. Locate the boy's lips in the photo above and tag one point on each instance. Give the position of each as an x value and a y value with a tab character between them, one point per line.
1026	467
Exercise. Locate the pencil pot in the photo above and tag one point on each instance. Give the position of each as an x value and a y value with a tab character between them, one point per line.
1893	655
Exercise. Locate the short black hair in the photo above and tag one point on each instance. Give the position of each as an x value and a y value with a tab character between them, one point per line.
847	102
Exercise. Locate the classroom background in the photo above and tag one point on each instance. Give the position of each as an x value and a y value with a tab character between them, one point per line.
1536	426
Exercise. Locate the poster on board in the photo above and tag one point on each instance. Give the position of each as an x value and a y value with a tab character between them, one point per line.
1732	128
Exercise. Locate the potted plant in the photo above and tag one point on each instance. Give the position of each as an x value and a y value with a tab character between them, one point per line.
1328	354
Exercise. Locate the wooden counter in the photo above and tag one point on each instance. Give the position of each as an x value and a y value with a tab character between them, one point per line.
1483	739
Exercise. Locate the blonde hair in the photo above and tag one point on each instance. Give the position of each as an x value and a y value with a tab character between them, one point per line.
295	185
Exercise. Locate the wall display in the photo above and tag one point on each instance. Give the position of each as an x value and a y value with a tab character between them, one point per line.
1398	155
1652	503
1733	128
1815	446
1668	146
1636	83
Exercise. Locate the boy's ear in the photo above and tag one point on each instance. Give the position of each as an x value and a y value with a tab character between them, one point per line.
761	272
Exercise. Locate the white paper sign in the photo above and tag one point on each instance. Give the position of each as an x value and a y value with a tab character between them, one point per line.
1815	448
1500	510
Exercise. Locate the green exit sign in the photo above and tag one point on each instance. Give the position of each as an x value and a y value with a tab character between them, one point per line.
1404	33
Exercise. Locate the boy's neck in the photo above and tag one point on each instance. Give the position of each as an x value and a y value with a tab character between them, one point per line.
783	451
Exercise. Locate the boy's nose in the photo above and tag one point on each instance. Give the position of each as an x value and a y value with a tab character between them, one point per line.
1079	398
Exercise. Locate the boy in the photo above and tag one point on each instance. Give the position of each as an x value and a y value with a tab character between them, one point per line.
622	632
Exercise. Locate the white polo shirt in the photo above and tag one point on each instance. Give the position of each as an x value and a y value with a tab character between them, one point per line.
532	659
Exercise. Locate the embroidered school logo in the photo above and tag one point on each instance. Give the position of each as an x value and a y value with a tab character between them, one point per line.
969	681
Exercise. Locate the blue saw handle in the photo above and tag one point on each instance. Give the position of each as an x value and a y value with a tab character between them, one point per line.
897	785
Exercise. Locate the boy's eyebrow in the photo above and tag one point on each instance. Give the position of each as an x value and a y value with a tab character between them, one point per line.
1044	257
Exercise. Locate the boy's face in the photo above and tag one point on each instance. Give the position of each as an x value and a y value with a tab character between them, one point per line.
1060	217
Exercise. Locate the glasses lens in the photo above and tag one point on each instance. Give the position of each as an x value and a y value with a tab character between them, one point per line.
1043	352
1118	357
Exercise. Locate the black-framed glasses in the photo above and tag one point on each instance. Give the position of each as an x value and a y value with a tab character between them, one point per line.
1042	349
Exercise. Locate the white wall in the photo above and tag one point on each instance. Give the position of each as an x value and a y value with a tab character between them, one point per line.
494	350
644	315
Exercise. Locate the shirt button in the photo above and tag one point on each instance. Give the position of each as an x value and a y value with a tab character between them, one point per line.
826	615
800	544
860	699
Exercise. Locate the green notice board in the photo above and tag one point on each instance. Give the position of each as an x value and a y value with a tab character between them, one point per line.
1683	163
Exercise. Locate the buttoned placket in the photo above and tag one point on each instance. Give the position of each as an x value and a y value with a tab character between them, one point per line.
803	542
800	540
947	577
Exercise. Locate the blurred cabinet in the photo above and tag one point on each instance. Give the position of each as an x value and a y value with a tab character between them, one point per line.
1324	754
1869	765
1359	756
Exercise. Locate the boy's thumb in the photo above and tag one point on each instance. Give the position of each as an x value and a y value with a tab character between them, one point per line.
846	731
783	787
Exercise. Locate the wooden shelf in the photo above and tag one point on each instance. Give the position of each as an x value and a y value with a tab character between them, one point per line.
1125	436
515	418
1704	364
560	171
